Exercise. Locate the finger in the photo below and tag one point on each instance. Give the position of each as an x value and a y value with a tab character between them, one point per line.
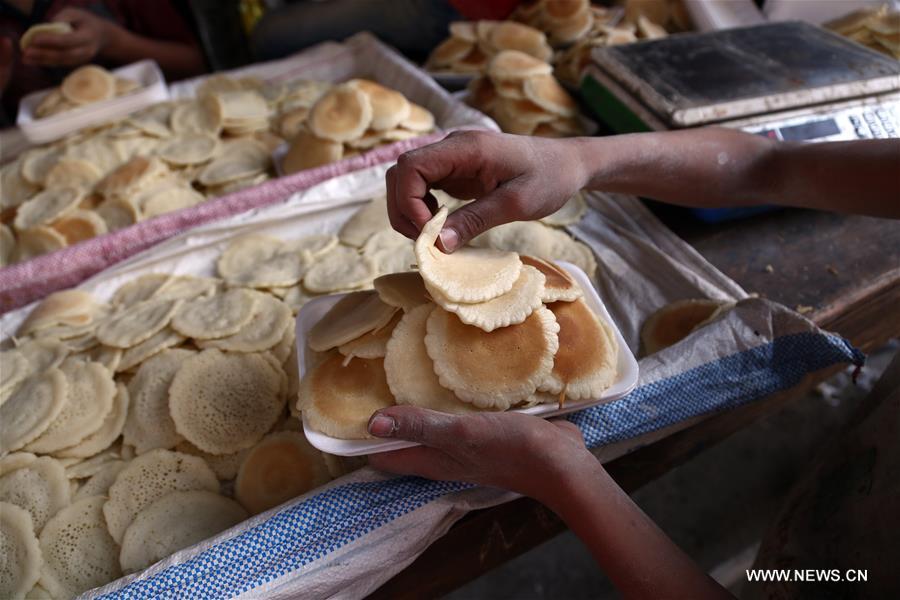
463	224
399	222
415	424
420	461
58	41
417	170
39	56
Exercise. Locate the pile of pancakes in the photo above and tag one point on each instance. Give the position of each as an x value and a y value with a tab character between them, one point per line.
347	119
479	329
85	85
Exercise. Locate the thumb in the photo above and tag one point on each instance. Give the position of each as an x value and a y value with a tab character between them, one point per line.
414	424
475	218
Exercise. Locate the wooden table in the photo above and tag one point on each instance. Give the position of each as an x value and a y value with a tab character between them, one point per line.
843	272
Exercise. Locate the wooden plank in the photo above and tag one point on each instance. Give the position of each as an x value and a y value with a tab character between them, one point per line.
845	268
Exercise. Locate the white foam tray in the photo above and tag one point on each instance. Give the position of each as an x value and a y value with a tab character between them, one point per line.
626	373
153	89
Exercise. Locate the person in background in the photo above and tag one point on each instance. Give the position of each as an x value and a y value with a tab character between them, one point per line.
414	27
520	178
110	33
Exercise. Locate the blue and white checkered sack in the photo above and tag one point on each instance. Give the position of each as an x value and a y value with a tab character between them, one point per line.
344	540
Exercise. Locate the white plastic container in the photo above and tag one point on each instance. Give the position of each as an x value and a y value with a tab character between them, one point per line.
626	373
39	131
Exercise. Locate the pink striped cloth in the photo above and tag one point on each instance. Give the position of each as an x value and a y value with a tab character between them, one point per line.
26	282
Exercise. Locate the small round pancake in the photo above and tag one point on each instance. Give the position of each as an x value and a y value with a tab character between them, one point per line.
342	268
140	289
191	149
40	487
308	151
389	107
38	241
16	368
674	322
217	316
467	275
573	28
372	344
169	199
223	402
338	400
79	553
35	164
149	477
585	364
80	225
131	327
410	371
72	172
90	393
131	176
47	206
89	83
68	307
510	35
203	115
149	424
558	286
569	214
403	290
353	316
255	260
174	522
281	467
496	369
266	327
341	115
118	213
545	91
525	110
449	51
317	245
419	119
510	308
371	218
20	568
54	27
513	65
109	430
31	408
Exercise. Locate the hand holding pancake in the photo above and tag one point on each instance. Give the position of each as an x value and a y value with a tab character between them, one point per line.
511	451
88	37
514	178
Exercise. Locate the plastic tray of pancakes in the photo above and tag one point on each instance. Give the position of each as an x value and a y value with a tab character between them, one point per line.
90	96
478	330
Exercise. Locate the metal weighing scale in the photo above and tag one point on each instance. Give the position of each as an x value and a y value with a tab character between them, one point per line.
787	81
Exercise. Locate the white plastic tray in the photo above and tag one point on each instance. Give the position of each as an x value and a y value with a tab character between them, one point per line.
626	378
153	89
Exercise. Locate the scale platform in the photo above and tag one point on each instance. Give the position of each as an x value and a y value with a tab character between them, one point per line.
788	81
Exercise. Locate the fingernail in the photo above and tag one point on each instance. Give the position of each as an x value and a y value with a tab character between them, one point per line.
382	426
449	239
